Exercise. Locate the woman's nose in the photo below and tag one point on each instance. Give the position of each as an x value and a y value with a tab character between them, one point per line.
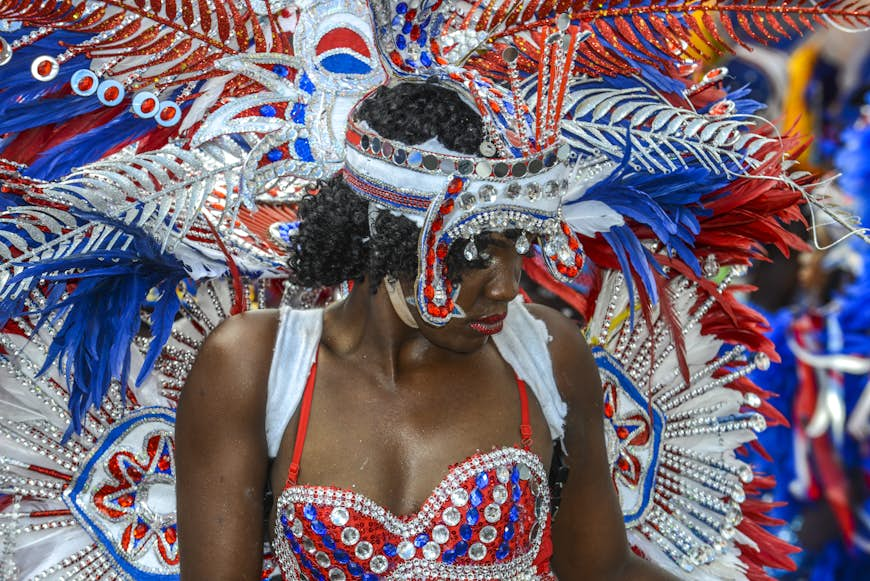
504	283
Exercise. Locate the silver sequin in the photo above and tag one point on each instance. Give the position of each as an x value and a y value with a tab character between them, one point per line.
488	534
477	552
406	550
492	513
440	534
459	497
339	516
431	550
363	550
451	516
349	536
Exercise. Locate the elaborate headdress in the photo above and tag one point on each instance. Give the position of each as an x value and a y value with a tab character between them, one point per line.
144	134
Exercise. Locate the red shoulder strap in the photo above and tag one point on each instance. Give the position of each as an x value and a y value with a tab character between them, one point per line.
525	425
304	413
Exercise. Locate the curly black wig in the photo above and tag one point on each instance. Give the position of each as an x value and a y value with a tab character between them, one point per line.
334	244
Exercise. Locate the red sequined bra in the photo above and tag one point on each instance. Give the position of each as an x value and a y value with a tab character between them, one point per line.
488	519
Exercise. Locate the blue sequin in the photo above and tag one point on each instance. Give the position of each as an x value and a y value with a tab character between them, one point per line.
415	158
341	556
406	28
509	531
465	532
297	113
294	545
482	480
514	514
275	155
425	59
472	516
318	527
400	42
280	70
390	550
449	556
476	497
309	511
303	149
370	577
517	493
327	541
268	111
461	548
355	570
421	540
305	84
502	551
515	474
401	8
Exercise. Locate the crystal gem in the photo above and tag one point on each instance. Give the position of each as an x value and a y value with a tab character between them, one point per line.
349	536
459	497
566	255
472	516
488	534
322	559
492	513
406	550
477	551
431	550
421	540
363	550
522	245
476	497
503	473
533	192
752	400
340	556
745	474
762	361
467	201
502	551
5	52
482	480
451	516
470	253
539	507
487	193
309	511
355	569
339	516
308	545
517	493
499	494
466	532
487	149
514	190
551	189
440	534
525	472
318	527
379	564
296	528
390	550
336	575
509	531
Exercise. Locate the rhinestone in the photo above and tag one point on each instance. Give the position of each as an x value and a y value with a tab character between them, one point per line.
336	575
514	190
551	189
470	252
525	472
487	193
477	552
339	516
467	201
349	536
566	255
308	545
459	497
431	550
492	513
522	245
440	534
503	473
406	550
539	507
499	494
482	480
488	534
5	52
533	192
379	564
322	559
487	149
451	516
296	528
363	550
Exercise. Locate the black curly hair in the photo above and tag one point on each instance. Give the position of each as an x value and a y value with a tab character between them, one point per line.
334	244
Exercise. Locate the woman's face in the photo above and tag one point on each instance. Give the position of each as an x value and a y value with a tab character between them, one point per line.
483	296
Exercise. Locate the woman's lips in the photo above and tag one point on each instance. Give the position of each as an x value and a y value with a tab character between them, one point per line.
488	325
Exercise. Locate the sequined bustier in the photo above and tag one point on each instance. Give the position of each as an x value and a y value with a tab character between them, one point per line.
488	519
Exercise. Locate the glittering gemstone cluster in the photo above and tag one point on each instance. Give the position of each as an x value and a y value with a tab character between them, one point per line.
485	521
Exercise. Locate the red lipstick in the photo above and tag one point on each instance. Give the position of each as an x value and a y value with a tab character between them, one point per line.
489	325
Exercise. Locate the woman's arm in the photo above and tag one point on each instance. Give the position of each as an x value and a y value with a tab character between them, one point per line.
221	455
589	539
